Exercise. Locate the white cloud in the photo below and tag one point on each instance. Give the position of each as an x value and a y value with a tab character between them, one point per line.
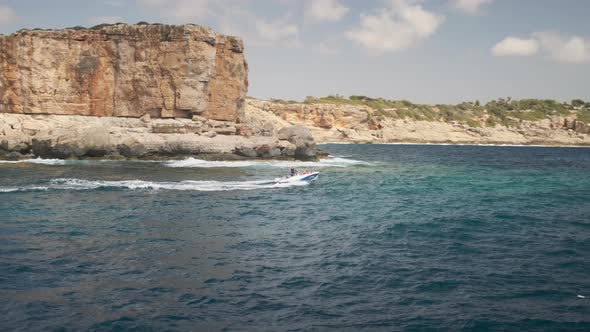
105	19
400	26
516	46
7	15
256	30
286	33
471	7
228	19
574	49
325	10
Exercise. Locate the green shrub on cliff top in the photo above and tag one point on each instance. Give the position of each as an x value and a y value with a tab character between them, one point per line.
577	103
584	115
505	111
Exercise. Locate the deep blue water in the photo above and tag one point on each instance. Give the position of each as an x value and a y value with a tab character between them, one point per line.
391	237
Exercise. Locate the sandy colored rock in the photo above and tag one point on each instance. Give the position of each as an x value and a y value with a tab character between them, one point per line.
302	138
124	70
361	124
62	136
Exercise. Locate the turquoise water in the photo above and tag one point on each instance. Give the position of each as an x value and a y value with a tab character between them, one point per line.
391	237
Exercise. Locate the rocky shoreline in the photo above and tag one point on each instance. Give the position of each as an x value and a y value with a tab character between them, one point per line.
267	130
59	136
153	91
360	124
133	91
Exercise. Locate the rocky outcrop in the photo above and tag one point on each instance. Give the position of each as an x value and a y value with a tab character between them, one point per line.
61	136
574	124
124	71
362	124
302	139
325	116
132	91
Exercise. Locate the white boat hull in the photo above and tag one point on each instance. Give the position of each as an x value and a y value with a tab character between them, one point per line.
309	177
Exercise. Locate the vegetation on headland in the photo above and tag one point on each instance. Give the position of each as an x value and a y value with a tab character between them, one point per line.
506	111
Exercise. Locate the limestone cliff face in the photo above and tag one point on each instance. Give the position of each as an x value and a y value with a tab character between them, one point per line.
362	124
124	71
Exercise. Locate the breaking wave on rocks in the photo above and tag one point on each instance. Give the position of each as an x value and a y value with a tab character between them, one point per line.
79	184
329	162
200	163
36	161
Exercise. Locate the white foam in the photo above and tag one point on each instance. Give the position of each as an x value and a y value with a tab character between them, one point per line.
199	163
36	161
79	184
329	162
28	188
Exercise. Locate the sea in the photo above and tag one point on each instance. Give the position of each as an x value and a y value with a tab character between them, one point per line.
389	238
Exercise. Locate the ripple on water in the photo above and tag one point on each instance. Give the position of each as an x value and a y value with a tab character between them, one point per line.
413	238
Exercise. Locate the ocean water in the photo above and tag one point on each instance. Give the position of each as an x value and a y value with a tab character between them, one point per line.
391	237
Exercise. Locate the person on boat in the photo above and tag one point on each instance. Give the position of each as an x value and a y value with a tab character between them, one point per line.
293	171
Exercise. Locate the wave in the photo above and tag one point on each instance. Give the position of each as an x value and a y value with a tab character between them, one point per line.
200	163
329	162
79	184
39	161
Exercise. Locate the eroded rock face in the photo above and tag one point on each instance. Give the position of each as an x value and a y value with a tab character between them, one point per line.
325	116
303	140
67	136
124	71
362	124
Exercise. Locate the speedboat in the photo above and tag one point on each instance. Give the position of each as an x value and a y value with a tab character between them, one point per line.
305	177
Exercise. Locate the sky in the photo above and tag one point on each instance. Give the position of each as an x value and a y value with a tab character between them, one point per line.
425	51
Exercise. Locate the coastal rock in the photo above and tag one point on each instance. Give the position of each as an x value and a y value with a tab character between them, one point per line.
225	131
302	138
120	70
325	120
353	123
73	142
287	148
172	127
132	151
325	116
582	127
570	123
374	124
268	129
246	151
146	118
268	151
31	128
246	131
15	141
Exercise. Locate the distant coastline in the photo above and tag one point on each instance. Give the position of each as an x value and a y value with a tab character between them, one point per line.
364	120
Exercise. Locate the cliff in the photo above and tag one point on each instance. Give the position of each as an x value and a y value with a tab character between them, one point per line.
124	71
132	91
362	123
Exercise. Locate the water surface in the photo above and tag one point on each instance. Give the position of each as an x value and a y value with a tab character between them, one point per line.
391	237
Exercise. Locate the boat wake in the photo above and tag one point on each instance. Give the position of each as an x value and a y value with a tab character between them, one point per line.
199	163
79	184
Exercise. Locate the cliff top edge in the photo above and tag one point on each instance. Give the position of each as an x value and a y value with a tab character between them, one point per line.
118	28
